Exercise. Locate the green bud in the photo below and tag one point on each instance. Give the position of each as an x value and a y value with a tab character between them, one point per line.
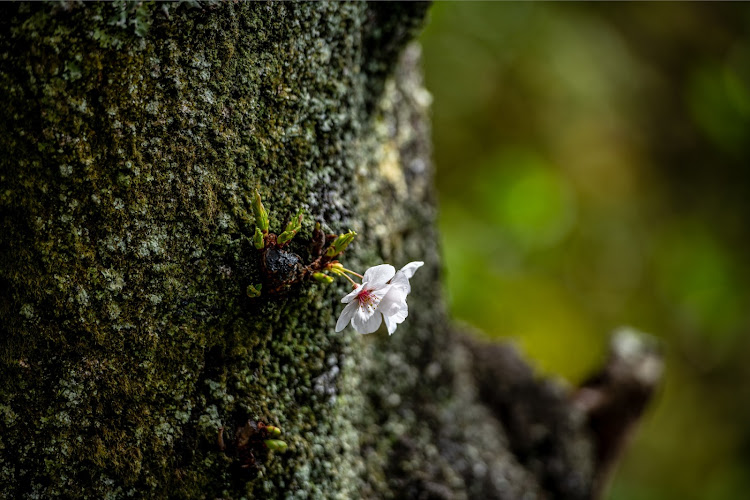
273	430
261	216
254	290
336	267
276	445
291	229
285	237
322	278
340	243
258	239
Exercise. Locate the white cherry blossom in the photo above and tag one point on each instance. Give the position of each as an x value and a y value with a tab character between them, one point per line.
380	297
393	305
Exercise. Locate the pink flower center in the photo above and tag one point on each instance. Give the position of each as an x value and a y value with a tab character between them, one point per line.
365	297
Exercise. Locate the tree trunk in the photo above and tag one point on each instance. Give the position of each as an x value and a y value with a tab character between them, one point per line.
134	138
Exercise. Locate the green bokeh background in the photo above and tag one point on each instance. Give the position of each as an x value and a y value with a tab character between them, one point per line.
594	171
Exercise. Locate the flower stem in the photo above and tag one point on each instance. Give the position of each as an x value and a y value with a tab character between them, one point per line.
339	271
350	280
352	272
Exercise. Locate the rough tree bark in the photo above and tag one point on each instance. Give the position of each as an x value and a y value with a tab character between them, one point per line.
133	136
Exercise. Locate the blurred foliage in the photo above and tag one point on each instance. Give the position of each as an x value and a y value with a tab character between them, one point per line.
594	171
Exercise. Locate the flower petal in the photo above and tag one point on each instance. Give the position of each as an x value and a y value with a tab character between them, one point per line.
346	315
410	268
401	279
378	276
390	324
366	324
392	301
350	296
379	293
400	315
402	282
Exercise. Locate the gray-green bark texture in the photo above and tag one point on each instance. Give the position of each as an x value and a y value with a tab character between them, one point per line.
133	136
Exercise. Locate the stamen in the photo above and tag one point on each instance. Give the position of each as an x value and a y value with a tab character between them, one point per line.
366	298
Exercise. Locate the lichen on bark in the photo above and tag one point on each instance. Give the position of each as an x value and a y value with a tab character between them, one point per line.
133	138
